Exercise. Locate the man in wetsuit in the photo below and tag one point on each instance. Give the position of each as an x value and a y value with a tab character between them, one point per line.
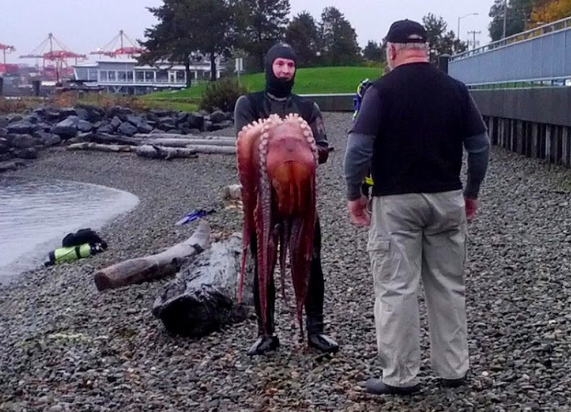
277	98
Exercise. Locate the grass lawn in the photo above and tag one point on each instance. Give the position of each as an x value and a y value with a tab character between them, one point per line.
319	80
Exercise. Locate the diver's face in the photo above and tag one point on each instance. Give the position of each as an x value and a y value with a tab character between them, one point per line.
283	68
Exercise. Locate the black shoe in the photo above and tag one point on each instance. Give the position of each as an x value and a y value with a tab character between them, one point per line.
264	344
378	387
322	342
453	383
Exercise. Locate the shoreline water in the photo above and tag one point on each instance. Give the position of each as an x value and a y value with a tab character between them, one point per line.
94	207
67	347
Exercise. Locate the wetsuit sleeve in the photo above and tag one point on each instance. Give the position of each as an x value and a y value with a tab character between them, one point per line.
477	144
242	113
319	134
360	143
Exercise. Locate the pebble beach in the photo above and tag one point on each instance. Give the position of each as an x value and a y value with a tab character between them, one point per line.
64	346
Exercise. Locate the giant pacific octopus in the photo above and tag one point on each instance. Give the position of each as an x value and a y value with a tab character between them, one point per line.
277	163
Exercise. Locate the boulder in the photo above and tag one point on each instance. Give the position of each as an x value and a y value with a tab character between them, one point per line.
4	146
23	141
29	153
21	127
127	129
67	128
84	126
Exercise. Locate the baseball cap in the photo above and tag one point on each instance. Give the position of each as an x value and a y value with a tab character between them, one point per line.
401	31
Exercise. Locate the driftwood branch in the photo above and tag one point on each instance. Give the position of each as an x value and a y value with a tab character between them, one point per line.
158	266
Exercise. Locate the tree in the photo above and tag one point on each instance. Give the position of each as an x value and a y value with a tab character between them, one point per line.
373	51
186	27
518	16
302	35
550	11
213	28
166	40
260	24
440	40
338	39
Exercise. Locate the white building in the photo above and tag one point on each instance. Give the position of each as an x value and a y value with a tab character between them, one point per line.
128	77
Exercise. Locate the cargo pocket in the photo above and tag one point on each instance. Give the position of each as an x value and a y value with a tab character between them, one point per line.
379	253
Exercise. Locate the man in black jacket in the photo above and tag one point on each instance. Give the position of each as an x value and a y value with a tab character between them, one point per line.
411	130
277	98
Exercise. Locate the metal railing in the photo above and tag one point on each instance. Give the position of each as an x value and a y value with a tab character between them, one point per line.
540	56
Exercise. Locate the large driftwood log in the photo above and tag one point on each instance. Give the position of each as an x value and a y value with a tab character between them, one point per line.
202	297
101	147
158	266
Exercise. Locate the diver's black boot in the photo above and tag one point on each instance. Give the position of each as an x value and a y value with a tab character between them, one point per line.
316	338
264	344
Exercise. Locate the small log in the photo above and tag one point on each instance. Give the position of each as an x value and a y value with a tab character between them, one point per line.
178	136
209	149
153	267
202	297
105	138
158	152
100	147
186	142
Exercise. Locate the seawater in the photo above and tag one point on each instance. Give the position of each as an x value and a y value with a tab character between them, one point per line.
35	215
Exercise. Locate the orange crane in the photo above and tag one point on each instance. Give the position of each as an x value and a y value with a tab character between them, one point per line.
58	58
110	50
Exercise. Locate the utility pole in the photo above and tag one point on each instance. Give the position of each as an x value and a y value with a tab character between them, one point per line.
473	33
505	18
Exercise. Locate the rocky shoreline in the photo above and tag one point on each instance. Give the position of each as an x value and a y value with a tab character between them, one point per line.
66	347
23	136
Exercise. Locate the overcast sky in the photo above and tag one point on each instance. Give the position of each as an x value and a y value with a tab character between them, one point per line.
84	25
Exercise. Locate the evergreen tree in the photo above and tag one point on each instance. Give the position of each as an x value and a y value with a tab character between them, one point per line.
339	45
373	51
260	24
188	26
440	39
302	35
517	19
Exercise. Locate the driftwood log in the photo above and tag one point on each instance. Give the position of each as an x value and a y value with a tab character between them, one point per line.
153	267
202	297
145	136
170	142
161	152
98	147
105	138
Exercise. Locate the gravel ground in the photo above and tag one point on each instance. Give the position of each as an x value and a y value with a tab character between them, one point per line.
66	347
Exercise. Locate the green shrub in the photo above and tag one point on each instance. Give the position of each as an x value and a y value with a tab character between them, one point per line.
222	94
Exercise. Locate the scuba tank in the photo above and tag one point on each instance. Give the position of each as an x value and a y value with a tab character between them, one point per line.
75	246
69	254
361	89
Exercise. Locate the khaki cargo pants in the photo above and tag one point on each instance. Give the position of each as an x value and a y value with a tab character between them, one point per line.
416	236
